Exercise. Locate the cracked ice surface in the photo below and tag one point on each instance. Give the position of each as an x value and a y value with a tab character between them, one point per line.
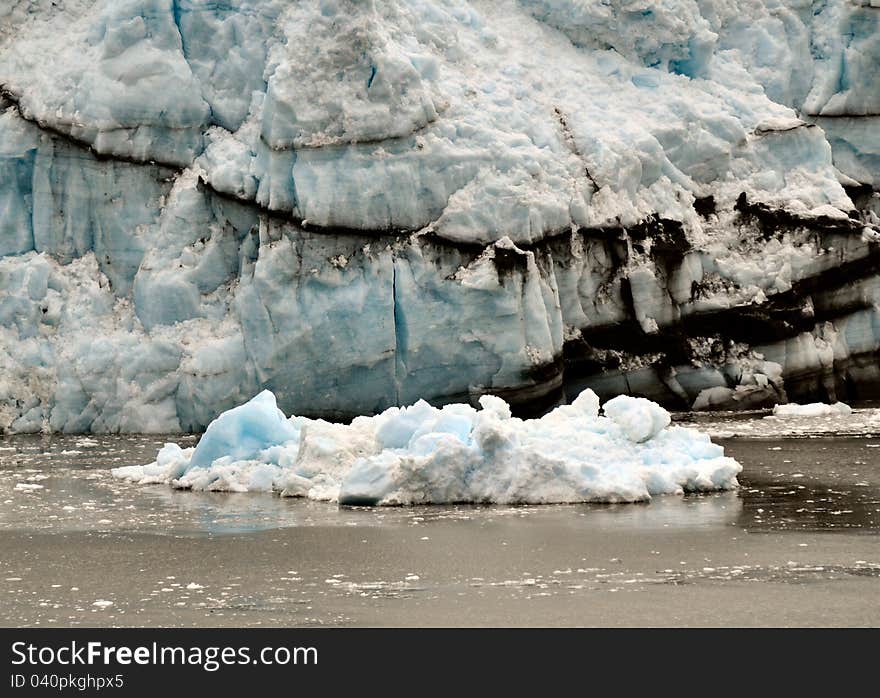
434	112
342	201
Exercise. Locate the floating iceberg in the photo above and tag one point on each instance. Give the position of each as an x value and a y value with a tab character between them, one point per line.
814	409
422	454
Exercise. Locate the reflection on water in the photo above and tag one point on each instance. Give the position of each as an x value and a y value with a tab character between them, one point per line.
62	483
827	484
701	510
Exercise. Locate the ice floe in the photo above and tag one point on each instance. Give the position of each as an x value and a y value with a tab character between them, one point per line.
423	454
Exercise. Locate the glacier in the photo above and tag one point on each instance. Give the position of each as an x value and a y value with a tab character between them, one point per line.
424	455
357	205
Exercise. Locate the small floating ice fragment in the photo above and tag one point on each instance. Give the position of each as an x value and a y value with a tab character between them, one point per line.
814	409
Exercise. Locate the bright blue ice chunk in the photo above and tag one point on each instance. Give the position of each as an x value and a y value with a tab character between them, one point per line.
244	431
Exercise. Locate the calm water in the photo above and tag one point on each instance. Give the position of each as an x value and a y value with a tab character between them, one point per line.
796	545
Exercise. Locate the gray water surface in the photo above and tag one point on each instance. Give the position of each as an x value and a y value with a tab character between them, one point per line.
796	545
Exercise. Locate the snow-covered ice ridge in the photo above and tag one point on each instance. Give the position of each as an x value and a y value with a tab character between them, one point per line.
422	455
359	204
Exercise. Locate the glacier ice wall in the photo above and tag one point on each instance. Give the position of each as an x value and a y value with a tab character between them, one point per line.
360	204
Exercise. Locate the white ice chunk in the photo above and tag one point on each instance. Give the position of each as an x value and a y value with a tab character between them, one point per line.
814	409
640	419
422	454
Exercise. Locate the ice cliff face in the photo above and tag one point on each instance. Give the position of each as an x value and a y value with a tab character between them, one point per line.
359	204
